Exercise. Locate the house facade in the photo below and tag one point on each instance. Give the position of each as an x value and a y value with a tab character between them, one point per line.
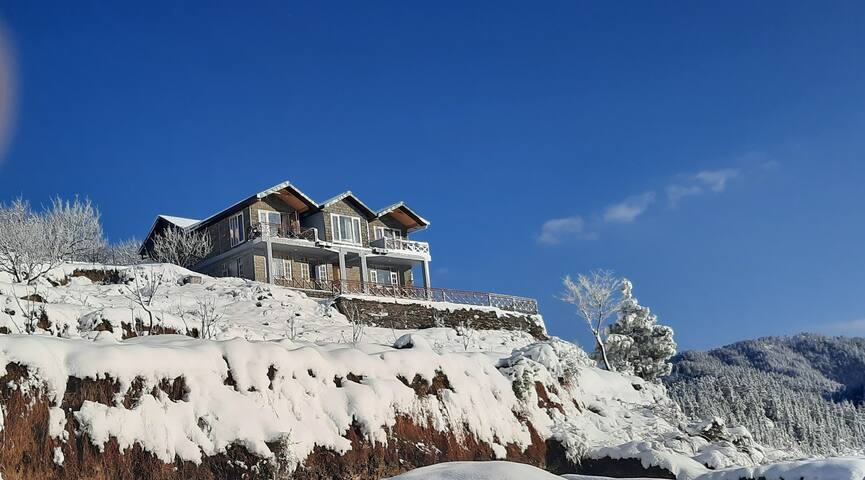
280	235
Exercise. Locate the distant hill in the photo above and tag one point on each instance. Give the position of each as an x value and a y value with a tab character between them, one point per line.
804	392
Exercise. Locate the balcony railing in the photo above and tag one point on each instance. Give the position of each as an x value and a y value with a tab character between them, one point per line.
463	297
400	244
279	230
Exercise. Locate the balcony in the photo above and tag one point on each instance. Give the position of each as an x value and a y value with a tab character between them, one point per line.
279	230
401	245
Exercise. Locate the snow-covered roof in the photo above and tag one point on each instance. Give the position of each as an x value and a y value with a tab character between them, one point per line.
343	196
179	221
390	208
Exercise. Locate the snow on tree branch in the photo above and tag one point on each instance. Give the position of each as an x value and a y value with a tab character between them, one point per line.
181	247
597	298
636	344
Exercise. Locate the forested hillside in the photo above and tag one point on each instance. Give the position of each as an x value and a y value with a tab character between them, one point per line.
803	392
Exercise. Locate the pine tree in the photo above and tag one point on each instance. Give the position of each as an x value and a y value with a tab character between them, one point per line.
636	344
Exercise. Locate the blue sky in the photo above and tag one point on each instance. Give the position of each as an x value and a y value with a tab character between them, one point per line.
712	153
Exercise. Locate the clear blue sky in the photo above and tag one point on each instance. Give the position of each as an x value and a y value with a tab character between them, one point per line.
711	152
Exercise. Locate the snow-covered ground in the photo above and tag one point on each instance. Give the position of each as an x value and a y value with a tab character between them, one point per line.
288	365
246	309
477	471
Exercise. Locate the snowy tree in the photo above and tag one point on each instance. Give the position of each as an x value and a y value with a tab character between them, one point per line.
74	229
143	290
596	297
635	343
124	252
181	247
33	243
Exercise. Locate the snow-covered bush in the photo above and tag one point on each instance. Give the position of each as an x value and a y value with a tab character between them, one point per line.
561	359
181	247
636	344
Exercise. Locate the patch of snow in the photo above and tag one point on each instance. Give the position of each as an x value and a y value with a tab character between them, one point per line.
477	471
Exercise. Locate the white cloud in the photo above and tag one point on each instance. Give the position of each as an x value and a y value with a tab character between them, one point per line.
678	192
716	180
699	183
629	209
557	229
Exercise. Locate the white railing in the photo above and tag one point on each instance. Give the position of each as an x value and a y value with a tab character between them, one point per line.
400	244
264	229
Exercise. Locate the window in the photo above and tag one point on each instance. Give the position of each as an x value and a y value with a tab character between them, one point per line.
373	276
321	272
394	278
239	263
281	268
304	271
224	269
383	277
345	229
270	222
384	232
236	232
232	269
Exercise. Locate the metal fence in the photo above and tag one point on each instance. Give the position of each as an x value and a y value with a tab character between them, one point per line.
463	297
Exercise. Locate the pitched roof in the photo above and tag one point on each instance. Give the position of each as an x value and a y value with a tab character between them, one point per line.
422	222
179	221
345	195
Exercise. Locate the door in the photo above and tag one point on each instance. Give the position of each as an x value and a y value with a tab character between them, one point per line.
271	223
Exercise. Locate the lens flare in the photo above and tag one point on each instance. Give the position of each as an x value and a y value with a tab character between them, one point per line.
8	90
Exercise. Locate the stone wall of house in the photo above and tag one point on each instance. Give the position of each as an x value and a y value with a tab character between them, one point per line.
345	207
404	314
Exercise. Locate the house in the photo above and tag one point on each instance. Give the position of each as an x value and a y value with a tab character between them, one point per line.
282	236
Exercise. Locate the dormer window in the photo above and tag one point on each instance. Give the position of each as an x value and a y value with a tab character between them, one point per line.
346	229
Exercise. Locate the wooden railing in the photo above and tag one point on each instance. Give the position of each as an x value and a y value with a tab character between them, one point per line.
401	244
463	297
264	229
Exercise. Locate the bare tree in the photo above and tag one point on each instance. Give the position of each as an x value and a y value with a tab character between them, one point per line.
597	297
74	229
31	311
33	243
143	290
124	252
352	314
181	247
466	331
19	252
291	330
207	313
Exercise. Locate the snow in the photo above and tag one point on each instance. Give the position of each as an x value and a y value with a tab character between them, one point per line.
594	413
478	471
180	221
840	468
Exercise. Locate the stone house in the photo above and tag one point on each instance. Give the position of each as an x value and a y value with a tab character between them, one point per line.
280	235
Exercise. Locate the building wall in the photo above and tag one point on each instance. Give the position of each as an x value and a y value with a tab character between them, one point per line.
271	203
387	222
344	207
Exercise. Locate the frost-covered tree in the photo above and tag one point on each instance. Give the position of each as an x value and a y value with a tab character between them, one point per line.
75	227
181	247
124	252
32	243
636	344
597	298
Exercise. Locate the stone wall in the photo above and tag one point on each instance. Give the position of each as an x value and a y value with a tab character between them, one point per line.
405	314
